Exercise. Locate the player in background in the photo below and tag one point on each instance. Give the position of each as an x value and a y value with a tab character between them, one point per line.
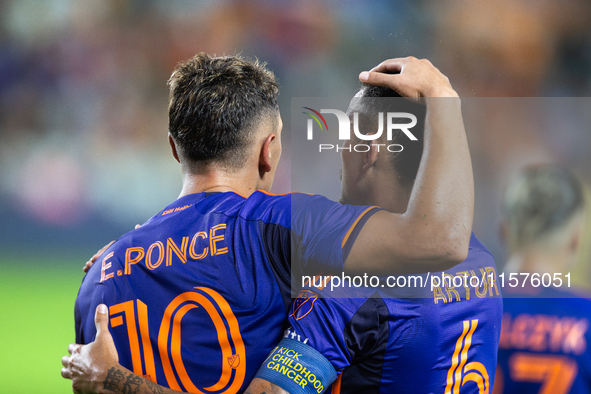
544	346
256	240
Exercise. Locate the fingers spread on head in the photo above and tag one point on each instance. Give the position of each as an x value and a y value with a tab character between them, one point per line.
390	66
380	79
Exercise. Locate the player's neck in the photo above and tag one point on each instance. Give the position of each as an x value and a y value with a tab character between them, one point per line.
241	182
390	193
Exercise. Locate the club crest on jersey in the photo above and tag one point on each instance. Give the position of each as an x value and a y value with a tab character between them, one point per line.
303	304
234	361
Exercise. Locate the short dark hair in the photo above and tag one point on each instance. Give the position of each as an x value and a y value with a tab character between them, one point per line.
539	200
406	163
214	105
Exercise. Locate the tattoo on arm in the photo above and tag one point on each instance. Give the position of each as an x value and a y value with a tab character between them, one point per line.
125	382
132	384
156	389
114	377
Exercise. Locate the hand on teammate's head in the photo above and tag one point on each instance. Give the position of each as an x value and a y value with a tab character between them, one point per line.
410	77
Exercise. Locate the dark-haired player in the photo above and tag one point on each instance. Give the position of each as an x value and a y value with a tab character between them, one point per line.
410	339
198	295
545	337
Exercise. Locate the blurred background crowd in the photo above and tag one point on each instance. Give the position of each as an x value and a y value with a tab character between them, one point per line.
83	95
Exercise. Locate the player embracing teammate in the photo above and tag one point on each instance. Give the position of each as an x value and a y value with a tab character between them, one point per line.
198	296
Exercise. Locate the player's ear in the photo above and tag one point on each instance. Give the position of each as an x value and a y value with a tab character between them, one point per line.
371	156
265	155
173	147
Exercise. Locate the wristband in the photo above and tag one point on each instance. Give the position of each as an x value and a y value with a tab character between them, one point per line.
297	368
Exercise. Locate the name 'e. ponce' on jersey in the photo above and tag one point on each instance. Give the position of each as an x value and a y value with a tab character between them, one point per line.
198	295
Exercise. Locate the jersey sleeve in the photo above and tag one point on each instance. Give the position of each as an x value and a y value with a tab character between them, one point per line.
323	232
341	329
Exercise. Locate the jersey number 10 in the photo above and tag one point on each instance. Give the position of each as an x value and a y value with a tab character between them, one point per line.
169	339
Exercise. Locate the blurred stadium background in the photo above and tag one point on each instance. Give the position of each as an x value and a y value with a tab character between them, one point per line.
83	152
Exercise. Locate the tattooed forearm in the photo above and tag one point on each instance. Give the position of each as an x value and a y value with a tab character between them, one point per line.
125	382
154	387
113	379
132	384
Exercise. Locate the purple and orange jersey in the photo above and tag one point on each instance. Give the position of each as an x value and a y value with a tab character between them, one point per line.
198	295
544	346
418	339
